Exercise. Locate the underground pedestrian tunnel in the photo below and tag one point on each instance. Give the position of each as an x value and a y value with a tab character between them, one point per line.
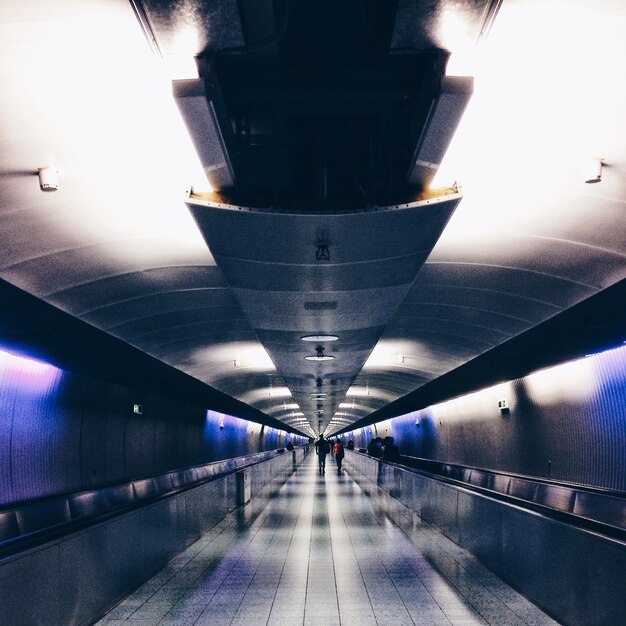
227	228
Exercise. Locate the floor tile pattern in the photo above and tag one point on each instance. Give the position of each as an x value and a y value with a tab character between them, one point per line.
320	553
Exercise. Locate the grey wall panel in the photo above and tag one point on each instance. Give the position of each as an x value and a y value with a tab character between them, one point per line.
7	400
601	591
66	412
575	575
139	441
439	507
117	400
92	433
85	585
477	516
31	588
165	409
45	448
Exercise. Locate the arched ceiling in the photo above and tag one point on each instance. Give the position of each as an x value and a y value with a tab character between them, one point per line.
324	113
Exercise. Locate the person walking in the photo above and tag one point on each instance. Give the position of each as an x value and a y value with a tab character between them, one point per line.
322	449
392	451
339	454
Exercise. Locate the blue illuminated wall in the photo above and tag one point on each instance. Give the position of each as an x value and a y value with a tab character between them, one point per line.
567	422
62	432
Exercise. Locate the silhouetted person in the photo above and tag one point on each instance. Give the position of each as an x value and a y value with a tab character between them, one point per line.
339	454
350	445
392	451
322	449
375	448
290	446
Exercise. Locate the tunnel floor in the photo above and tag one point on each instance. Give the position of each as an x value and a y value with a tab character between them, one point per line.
320	553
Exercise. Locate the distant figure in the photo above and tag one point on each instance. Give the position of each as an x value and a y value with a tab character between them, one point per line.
339	454
392	451
290	446
322	449
350	445
375	448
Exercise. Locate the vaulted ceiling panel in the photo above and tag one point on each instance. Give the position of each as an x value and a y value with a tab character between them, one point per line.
125	288
220	301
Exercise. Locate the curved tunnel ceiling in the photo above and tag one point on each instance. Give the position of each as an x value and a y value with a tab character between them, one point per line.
326	278
116	246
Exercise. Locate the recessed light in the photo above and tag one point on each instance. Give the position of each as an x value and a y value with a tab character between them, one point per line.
318	395
319	338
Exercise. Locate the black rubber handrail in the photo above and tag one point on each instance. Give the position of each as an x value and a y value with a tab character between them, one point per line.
416	462
583	522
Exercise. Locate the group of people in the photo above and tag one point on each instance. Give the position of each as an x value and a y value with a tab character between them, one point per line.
378	448
384	449
325	446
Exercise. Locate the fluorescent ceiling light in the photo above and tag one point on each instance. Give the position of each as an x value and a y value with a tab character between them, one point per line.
443	119
319	338
196	101
278	392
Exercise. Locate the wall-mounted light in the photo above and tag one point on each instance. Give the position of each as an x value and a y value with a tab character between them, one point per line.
417	421
593	170
48	178
222	425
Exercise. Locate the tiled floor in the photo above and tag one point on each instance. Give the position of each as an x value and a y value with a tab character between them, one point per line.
320	554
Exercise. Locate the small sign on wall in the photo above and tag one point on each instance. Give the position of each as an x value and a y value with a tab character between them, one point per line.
138	409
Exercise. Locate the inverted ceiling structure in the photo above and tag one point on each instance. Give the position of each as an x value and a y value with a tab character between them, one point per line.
401	183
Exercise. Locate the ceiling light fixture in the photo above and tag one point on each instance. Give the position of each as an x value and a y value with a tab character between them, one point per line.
319	355
320	394
593	172
318	338
48	178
